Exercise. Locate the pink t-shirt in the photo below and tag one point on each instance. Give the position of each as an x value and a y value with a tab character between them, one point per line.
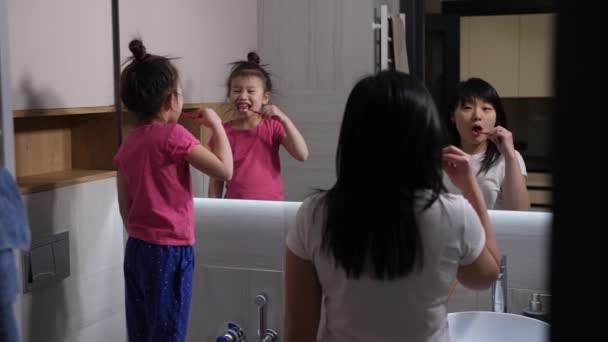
257	166
152	159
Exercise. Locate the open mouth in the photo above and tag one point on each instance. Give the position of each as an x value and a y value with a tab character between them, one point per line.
243	107
477	130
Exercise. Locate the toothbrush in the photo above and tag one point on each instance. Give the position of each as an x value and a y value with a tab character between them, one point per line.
189	116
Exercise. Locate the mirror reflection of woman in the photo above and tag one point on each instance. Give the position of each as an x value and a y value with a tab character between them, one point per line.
478	125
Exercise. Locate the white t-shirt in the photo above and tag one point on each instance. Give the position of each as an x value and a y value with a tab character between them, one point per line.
489	182
408	309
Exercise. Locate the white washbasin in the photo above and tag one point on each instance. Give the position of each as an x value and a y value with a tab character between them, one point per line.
486	326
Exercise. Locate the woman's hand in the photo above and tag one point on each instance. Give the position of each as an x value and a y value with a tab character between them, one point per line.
503	138
457	164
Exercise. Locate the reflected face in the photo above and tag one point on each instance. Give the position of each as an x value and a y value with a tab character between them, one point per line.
247	92
473	117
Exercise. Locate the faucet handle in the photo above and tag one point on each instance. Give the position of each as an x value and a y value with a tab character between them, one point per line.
270	336
261	299
233	333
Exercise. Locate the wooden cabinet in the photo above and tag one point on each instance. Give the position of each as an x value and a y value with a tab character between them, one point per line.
59	147
60	54
62	85
492	52
512	52
536	55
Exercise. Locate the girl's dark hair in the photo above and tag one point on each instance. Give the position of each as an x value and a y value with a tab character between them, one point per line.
146	82
250	67
468	91
389	150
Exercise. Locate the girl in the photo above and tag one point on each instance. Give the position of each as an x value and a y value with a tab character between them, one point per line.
155	196
255	135
379	258
478	126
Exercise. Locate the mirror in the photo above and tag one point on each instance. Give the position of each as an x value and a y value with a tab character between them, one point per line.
318	55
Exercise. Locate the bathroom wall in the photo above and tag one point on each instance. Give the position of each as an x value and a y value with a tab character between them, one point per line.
60	55
89	304
239	256
204	36
316	51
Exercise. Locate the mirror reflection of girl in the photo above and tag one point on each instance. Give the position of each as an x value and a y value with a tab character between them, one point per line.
256	134
379	258
478	126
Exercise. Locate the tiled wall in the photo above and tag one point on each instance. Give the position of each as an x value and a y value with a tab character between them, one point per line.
239	254
527	250
89	304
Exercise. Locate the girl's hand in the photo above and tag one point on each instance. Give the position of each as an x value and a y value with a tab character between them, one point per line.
271	111
503	139
457	164
207	117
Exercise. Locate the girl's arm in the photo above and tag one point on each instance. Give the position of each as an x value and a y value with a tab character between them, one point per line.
217	163
293	141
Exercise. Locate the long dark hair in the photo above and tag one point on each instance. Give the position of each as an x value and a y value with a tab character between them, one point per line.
146	82
468	91
389	148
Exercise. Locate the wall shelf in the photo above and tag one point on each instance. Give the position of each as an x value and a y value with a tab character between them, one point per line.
27	113
54	180
64	147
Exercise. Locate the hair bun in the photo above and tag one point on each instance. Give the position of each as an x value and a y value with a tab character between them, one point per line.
253	57
137	49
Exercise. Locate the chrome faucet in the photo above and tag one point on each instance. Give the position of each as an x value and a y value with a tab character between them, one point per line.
264	334
233	333
499	290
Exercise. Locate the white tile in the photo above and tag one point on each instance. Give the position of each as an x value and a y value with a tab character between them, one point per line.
219	295
93	298
484	300
50	212
271	284
39	312
227	294
112	329
462	299
99	227
527	261
524	238
252	238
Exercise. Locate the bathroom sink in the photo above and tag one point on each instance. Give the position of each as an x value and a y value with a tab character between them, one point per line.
486	326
